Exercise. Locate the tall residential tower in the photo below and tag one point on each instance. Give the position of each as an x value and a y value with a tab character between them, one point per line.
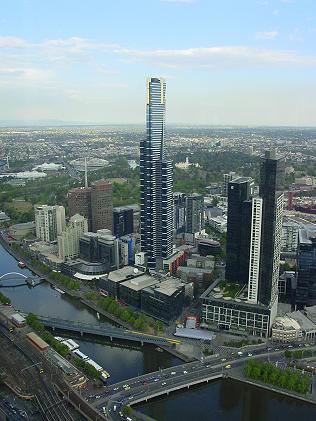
156	219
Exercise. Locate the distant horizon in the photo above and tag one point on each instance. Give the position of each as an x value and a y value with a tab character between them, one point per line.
57	123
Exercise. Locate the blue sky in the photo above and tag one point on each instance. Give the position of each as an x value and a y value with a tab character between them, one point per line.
231	62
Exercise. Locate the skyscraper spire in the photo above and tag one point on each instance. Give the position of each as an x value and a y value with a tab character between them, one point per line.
85	173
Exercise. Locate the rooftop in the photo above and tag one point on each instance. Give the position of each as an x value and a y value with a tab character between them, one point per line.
140	282
167	287
305	323
124	273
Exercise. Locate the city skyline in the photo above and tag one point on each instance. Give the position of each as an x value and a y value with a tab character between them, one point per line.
227	63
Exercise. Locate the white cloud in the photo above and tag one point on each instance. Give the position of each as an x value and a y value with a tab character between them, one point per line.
267	35
13	42
24	73
219	56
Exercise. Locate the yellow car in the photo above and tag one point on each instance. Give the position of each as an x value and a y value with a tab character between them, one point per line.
228	366
41	370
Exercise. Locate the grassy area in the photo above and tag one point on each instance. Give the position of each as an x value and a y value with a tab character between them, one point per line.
229	289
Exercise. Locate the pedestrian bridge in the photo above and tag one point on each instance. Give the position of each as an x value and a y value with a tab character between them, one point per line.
13	276
104	330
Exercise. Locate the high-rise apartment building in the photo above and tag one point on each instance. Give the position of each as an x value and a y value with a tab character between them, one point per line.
102	205
156	221
49	222
68	240
194	213
79	202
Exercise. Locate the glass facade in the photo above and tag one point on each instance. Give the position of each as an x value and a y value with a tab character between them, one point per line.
156	216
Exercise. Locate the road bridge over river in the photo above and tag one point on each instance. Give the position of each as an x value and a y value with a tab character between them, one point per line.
104	330
148	386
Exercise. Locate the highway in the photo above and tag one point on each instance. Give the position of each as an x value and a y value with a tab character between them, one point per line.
148	386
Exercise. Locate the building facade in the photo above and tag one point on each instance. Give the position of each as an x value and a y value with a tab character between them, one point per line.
156	220
123	221
79	202
306	268
289	237
68	240
238	229
270	190
195	213
49	222
102	205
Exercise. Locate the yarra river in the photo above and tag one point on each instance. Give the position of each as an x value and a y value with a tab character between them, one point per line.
220	401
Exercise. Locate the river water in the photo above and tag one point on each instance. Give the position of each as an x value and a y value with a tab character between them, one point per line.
219	401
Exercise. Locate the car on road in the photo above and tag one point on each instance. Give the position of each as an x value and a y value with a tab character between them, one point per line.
228	366
223	359
156	380
249	354
163	384
173	373
116	388
185	372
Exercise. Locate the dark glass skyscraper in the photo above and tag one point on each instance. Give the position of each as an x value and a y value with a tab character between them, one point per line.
238	229
156	216
270	190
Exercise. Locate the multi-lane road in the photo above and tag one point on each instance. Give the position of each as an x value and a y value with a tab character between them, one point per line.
165	381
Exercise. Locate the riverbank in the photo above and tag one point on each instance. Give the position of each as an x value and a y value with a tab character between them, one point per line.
90	304
260	385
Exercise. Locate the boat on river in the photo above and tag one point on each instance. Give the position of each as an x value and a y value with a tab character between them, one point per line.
22	265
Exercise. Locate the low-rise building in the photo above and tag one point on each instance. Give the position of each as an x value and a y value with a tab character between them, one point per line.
174	261
112	282
130	290
286	329
219	223
20	231
298	325
227	308
165	300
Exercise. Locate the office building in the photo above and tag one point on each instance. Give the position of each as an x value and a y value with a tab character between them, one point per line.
227	178
289	237
248	301
179	203
100	247
164	301
239	210
68	240
102	205
123	221
270	190
79	202
195	214
49	222
306	267
156	221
